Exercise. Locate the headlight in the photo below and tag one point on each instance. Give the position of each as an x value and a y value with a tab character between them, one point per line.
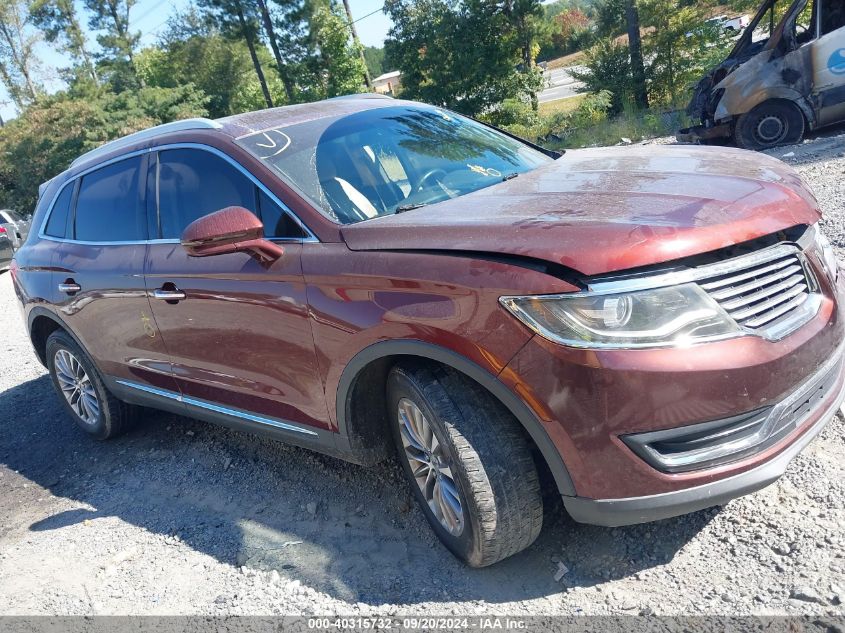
828	255
661	317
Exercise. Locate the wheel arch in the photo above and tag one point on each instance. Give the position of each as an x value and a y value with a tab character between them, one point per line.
41	323
726	111
365	376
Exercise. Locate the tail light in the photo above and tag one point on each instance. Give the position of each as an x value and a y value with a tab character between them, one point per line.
2	230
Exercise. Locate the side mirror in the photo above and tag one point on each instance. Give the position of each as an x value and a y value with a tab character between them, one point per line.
230	230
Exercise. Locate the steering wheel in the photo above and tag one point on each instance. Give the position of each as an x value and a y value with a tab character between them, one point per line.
431	173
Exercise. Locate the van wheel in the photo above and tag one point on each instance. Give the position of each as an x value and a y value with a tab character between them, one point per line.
82	392
468	463
772	123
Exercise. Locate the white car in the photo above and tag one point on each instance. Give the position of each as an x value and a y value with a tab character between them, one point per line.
16	228
736	24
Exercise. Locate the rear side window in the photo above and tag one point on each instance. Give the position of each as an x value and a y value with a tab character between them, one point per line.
193	183
109	207
57	223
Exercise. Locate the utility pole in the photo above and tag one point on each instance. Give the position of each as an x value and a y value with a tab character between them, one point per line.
355	39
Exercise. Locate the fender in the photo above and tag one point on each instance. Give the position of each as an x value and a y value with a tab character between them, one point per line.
726	111
459	363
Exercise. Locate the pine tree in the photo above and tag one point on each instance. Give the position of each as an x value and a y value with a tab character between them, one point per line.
58	21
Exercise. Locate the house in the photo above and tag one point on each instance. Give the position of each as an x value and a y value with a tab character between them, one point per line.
388	83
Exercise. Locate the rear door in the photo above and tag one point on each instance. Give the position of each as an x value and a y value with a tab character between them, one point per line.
98	271
238	332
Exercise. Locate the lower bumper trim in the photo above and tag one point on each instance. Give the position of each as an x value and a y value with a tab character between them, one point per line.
632	510
703	133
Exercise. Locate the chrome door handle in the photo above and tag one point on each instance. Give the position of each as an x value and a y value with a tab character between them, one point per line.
70	287
168	295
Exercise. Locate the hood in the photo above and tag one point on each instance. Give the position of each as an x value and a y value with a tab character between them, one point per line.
603	210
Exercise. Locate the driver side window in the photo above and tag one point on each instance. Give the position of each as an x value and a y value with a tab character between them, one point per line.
193	183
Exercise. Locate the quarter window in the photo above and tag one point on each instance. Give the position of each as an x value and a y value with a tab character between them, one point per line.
193	183
57	224
109	207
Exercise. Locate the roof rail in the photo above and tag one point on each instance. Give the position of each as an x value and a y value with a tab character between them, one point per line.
361	95
131	139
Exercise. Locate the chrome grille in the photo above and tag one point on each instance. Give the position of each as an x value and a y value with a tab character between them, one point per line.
763	292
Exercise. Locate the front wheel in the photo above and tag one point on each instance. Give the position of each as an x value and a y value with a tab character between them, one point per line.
469	465
772	123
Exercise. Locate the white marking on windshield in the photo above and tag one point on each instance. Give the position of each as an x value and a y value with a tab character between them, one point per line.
282	143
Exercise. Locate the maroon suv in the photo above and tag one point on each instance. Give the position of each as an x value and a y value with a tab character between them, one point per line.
654	328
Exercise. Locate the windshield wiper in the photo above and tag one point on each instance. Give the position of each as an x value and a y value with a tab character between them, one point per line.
409	207
507	177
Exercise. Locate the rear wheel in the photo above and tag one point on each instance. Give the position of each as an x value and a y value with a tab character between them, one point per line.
82	391
469	465
772	123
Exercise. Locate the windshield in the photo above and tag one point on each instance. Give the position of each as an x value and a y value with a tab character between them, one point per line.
389	160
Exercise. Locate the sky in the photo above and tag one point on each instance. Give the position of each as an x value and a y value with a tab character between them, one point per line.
150	17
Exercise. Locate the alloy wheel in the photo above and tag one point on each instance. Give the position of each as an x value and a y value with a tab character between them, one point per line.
431	467
76	386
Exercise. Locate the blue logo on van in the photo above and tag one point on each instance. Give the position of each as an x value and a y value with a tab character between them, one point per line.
836	63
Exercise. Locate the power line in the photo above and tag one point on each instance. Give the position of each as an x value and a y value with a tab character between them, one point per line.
368	15
149	11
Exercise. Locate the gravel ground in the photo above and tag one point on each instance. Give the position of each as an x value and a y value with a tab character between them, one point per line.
184	517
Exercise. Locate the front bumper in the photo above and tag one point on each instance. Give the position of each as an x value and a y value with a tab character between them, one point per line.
703	133
631	510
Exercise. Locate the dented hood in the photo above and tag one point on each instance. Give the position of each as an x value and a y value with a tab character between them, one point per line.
609	209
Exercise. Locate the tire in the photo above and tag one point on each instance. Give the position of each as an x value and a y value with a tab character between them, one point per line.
772	123
82	392
481	456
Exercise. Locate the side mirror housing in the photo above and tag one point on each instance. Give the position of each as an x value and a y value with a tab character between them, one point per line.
230	230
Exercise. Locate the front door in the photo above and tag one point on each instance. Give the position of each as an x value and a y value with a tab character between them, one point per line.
829	62
237	331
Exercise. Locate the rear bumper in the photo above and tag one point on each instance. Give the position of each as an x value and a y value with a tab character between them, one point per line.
631	510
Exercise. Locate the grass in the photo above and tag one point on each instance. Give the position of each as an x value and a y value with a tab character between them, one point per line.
567	60
631	125
561	106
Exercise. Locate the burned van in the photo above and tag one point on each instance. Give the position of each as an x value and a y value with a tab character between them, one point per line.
785	75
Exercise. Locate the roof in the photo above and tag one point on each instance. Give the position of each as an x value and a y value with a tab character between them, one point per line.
391	75
132	139
239	125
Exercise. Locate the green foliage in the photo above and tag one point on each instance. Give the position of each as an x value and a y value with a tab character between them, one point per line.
374	56
219	67
679	49
567	32
117	41
341	70
49	135
608	69
465	55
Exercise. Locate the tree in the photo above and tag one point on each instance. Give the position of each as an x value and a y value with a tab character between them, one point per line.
281	65
18	64
681	46
58	21
357	42
193	50
632	20
340	66
118	42
465	56
48	135
374	58
239	20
